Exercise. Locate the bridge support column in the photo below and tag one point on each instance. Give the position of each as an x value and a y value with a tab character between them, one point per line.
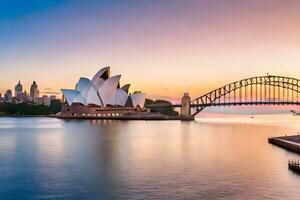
186	106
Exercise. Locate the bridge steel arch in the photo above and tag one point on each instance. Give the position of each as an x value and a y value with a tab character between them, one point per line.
260	90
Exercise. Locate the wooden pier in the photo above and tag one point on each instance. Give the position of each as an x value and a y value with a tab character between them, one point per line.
290	143
294	165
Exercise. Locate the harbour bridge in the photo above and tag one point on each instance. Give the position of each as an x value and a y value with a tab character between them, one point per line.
259	90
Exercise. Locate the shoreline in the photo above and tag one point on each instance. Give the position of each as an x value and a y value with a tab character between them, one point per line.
131	117
123	118
19	116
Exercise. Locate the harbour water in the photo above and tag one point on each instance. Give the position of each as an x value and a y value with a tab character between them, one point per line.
210	158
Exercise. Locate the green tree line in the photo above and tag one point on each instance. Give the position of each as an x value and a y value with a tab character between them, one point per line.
166	111
29	109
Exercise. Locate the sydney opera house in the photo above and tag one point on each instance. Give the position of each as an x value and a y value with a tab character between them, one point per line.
102	97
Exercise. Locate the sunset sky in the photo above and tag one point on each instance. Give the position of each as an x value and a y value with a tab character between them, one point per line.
162	47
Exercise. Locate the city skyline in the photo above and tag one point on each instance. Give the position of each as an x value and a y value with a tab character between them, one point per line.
164	48
28	89
21	95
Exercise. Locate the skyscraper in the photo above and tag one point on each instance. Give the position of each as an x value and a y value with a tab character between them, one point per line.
34	92
18	89
8	96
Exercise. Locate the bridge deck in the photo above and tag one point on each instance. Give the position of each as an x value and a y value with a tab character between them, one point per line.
224	104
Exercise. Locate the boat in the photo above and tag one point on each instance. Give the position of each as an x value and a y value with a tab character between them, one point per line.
295	112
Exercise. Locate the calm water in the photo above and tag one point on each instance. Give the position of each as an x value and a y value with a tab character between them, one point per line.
211	158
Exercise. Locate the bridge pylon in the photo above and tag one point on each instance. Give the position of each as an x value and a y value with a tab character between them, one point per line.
186	106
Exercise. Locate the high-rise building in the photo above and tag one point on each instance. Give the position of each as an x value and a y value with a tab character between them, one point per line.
21	97
39	100
52	97
1	98
8	96
34	92
46	100
18	89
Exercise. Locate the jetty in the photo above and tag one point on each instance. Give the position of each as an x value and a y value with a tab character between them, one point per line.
294	165
290	143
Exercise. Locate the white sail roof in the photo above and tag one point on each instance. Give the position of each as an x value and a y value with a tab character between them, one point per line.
92	96
102	90
82	84
98	82
122	97
70	95
138	99
100	73
126	88
80	99
108	89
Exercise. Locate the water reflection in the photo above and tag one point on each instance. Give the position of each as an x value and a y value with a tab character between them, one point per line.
210	158
50	146
7	144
